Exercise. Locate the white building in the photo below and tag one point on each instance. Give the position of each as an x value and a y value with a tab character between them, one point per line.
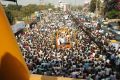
64	6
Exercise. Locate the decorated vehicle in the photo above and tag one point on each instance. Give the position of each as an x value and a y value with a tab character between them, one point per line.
63	38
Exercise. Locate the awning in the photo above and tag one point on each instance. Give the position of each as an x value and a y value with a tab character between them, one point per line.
18	26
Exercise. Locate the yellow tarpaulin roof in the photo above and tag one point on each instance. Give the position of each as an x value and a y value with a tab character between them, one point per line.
113	41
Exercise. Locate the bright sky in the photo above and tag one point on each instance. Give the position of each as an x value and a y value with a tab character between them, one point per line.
25	2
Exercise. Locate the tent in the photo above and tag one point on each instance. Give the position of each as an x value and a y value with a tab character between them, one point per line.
18	26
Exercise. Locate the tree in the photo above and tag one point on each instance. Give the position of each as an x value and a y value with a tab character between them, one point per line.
79	8
14	7
18	12
41	7
29	9
10	17
99	4
113	14
93	5
14	10
112	9
49	6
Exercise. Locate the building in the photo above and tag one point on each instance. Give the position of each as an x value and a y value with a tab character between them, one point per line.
64	6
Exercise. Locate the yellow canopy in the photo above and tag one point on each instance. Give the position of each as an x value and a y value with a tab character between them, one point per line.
113	41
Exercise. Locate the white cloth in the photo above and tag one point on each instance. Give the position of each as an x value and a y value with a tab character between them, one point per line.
62	40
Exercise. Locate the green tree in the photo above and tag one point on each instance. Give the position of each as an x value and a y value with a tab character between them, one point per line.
99	3
74	8
92	5
14	7
113	14
18	12
41	7
50	6
14	10
29	9
10	17
112	9
79	8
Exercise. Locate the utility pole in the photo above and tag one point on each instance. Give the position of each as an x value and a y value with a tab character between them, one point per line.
96	8
101	7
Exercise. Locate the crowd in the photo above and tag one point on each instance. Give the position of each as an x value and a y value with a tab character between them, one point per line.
85	60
